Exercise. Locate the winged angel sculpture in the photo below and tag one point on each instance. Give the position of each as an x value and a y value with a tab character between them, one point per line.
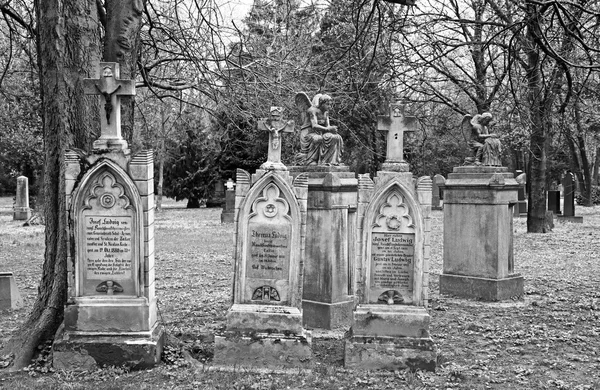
320	143
486	146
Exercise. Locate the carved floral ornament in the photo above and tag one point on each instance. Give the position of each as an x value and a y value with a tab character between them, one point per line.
108	193
271	204
393	214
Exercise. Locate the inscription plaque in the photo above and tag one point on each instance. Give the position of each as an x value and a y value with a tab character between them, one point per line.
392	262
269	251
108	247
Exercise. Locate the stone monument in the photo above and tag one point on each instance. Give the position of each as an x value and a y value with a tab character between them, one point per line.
9	293
390	327
22	212
478	230
437	192
327	300
568	183
111	314
521	208
264	324
228	213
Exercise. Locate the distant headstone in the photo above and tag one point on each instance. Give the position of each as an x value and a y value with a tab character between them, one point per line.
22	212
9	293
264	324
568	214
554	202
521	208
437	192
395	124
111	313
228	213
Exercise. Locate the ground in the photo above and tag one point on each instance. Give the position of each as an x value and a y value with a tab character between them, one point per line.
548	339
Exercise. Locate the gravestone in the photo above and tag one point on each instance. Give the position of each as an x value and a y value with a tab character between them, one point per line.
395	124
264	324
390	327
478	234
554	202
521	208
22	212
228	213
568	214
111	313
437	192
9	293
218	197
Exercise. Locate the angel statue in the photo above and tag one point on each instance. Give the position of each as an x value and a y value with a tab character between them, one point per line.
320	143
486	146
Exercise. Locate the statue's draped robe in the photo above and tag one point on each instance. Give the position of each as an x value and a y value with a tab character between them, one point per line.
317	148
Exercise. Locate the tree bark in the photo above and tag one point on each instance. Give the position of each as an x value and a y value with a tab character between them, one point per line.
66	46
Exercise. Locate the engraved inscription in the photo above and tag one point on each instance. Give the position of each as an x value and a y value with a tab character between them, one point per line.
269	249
108	247
392	257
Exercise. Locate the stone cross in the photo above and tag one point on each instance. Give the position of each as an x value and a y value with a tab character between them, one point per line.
110	88
275	125
396	124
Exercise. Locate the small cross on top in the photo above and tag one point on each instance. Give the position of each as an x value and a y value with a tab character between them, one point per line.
275	125
110	89
396	123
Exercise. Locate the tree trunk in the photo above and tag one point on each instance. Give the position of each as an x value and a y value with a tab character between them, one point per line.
66	46
121	42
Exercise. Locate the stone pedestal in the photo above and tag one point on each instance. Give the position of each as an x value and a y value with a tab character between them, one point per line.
478	234
9	293
328	301
228	213
22	212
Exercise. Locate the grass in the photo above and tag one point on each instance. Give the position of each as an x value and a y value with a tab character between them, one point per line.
549	339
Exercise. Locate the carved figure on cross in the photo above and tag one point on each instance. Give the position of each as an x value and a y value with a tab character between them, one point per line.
275	124
110	88
396	124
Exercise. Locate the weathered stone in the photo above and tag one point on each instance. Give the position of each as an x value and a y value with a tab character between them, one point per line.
569	200
228	213
390	353
486	289
22	212
9	293
437	191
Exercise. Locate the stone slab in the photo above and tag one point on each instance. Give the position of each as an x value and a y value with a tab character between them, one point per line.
109	315
87	352
327	315
261	350
391	320
574	218
390	353
481	288
227	216
9	293
264	318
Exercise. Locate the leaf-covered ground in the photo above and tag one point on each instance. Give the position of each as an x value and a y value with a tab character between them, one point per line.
550	339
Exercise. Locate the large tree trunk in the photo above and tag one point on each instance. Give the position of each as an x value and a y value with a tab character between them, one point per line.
121	42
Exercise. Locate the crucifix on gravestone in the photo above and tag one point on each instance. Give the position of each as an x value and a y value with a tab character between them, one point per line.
110	88
275	125
396	123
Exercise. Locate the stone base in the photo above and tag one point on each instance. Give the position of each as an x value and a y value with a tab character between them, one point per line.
263	351
481	288
391	321
227	216
76	351
21	213
264	318
573	218
324	315
390	353
9	293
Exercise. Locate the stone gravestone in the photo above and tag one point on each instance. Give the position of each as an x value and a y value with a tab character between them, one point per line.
9	293
22	212
521	208
228	213
437	192
554	201
264	324
478	234
568	184
327	300
390	328
111	313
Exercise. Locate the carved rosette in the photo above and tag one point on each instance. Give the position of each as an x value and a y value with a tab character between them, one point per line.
107	193
394	215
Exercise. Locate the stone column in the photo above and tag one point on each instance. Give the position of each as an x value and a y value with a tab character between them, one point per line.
22	212
478	234
328	300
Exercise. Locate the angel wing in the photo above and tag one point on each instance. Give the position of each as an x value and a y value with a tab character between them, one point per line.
302	101
466	127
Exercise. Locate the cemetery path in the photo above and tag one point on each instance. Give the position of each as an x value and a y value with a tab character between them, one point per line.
548	339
